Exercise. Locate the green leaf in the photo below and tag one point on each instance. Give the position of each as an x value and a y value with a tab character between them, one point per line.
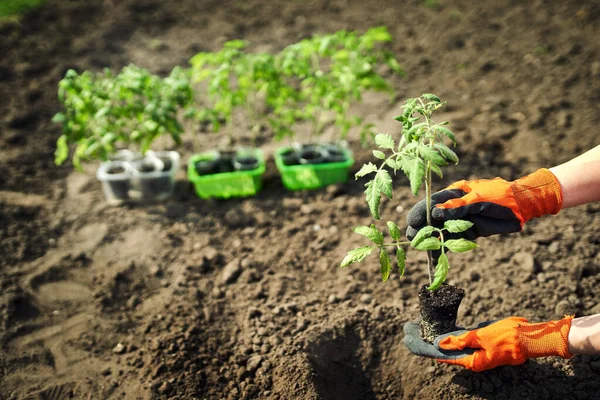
385	265
437	170
447	132
382	183
460	245
423	233
379	154
432	155
431	97
365	170
394	230
356	255
430	243
384	141
370	232
416	173
447	153
59	118
401	259
457	225
373	197
393	164
441	272
62	150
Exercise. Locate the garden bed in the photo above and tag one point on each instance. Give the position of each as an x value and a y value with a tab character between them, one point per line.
244	298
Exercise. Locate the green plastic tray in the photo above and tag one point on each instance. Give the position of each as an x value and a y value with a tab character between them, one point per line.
227	184
313	176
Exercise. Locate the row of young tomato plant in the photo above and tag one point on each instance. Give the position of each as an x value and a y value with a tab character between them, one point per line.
117	118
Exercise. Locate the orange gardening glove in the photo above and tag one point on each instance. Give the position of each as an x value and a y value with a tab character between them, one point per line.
493	205
510	341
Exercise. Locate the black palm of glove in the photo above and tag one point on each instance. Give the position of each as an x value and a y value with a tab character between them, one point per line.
488	218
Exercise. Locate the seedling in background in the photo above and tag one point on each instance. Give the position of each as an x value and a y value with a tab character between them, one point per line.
236	78
334	71
103	112
420	152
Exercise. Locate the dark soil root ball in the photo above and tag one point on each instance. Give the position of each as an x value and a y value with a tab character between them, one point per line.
439	310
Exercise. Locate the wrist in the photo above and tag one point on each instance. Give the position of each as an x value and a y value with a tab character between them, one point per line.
546	338
537	194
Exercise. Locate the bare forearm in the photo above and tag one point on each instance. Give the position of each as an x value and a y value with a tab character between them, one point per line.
580	178
584	336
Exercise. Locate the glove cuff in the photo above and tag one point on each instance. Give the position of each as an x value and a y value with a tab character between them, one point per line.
537	194
546	339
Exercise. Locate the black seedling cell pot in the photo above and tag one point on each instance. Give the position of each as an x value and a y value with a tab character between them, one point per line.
206	167
245	163
312	155
334	153
290	157
439	310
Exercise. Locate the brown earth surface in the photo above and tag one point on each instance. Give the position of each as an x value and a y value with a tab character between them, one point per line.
243	299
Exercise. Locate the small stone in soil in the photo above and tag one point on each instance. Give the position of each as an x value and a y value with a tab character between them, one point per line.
253	363
366	298
231	272
119	348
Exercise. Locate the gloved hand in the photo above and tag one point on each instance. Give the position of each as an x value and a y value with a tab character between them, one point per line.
493	205
510	341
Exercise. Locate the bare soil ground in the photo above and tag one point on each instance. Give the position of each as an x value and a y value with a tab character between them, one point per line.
243	299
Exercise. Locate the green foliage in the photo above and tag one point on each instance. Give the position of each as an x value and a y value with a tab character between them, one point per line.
334	71
10	8
419	153
236	78
103	112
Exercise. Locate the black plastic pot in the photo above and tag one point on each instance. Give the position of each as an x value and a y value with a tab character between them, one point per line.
245	163
312	154
290	157
439	310
334	153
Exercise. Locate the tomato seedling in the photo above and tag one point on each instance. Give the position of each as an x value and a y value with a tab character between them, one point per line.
332	72
236	78
420	152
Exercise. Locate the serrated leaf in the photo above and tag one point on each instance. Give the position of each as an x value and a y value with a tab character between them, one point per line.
460	245
382	183
379	154
437	170
394	230
432	155
370	232
423	233
429	244
390	162
385	265
447	153
441	272
384	141
401	259
416	173
365	170
457	225
373	197
448	133
432	97
356	255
